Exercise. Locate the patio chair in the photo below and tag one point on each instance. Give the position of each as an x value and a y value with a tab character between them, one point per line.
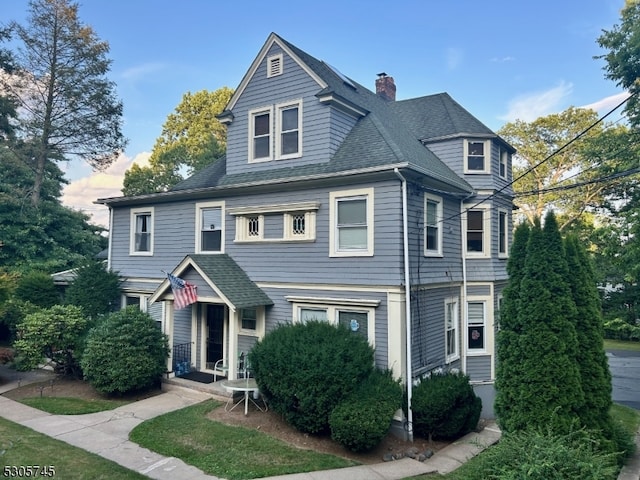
221	367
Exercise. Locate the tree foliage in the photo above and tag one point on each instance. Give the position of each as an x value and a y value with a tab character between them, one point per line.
56	333
591	359
68	106
542	354
623	57
125	352
95	289
306	370
192	138
536	142
38	288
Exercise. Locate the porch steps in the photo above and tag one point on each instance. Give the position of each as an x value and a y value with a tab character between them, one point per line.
215	389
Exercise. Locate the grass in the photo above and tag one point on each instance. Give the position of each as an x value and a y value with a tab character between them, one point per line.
22	446
234	453
621	345
71	406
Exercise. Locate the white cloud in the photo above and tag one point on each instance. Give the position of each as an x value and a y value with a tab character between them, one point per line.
502	59
608	103
141	71
81	193
530	106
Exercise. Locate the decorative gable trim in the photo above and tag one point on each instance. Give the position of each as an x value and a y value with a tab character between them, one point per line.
262	55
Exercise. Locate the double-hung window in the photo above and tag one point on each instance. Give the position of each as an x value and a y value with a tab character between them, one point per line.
432	225
503	233
351	215
210	227
504	162
141	231
477	155
451	329
275	132
260	126
477	222
476	327
289	119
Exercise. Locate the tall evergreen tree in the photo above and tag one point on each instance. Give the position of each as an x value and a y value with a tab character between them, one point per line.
547	392
591	358
509	370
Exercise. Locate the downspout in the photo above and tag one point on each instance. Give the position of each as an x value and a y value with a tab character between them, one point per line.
407	302
110	239
464	290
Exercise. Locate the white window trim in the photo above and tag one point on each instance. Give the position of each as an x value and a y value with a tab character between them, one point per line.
504	254
486	231
253	113
456	355
288	210
242	229
278	130
309	227
142	300
439	217
272	72
259	332
132	231
503	156
333	221
488	331
341	305
487	156
199	207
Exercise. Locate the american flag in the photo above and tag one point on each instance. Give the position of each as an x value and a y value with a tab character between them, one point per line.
184	293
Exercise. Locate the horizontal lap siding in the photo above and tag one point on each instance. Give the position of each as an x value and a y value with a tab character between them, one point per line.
281	312
261	91
479	368
182	325
427	328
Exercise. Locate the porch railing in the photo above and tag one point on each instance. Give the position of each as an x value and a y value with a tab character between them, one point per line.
181	358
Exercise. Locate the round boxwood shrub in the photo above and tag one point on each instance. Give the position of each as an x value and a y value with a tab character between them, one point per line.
445	406
125	352
306	370
361	421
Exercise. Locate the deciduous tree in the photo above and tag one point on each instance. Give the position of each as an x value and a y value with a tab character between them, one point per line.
192	138
68	105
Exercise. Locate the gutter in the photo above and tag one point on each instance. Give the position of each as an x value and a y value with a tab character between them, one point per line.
407	302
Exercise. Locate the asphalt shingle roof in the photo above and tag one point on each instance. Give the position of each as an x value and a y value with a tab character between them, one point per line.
231	280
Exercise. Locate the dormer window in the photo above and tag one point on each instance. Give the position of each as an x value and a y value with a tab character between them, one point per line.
477	154
275	132
274	65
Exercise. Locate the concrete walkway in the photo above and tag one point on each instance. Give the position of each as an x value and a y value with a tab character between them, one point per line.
107	434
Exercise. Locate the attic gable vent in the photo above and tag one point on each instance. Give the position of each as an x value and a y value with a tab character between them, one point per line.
274	65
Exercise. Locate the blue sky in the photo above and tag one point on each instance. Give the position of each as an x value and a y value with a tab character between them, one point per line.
501	59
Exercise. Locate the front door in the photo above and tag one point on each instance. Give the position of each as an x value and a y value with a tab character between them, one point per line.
215	334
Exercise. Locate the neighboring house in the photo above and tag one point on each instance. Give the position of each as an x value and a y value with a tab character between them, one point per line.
333	203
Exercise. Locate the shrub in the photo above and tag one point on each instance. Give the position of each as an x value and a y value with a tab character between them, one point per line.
306	370
445	406
542	455
95	289
618	329
362	420
56	333
37	288
125	352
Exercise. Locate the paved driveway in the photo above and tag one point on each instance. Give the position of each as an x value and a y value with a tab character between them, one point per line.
625	373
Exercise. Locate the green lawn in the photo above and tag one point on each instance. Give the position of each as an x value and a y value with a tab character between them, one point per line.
234	453
21	446
621	345
71	406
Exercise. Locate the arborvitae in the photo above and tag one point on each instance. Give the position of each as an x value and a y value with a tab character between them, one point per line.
509	372
546	392
591	358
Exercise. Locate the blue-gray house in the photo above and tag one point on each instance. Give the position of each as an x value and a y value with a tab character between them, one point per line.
336	203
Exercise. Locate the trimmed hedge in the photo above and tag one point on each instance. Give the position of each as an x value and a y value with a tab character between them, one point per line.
618	329
125	352
363	420
445	406
306	370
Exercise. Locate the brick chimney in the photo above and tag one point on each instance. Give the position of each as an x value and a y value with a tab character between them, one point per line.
385	87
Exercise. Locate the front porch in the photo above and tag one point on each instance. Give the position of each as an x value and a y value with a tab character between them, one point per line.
215	389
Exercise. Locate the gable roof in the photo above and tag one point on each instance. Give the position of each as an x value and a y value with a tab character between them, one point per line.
224	276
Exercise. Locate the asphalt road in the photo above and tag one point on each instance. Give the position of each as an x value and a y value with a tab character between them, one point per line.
625	375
